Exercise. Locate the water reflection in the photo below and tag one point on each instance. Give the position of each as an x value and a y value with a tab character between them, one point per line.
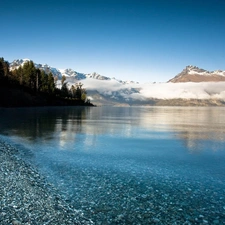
194	126
39	122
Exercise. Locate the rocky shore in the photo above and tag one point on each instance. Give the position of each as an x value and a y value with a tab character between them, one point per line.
27	199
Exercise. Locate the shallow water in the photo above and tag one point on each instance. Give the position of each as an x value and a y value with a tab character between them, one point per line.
135	165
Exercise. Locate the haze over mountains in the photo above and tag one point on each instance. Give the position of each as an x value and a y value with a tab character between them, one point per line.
193	86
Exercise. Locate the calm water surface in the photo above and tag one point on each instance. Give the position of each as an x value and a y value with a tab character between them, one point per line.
136	165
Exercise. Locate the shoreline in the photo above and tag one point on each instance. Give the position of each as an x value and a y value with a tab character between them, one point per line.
26	198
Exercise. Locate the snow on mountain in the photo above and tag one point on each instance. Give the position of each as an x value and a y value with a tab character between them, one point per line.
72	74
195	74
104	90
69	73
20	62
97	76
196	70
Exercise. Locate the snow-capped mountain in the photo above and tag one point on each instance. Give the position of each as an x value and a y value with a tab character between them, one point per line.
20	62
195	74
69	73
103	90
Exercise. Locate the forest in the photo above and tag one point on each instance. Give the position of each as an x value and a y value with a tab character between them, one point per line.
29	86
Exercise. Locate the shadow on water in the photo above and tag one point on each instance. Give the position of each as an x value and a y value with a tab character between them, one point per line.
35	123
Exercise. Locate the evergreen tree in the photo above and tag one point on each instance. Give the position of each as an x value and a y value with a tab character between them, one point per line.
2	72
63	79
17	75
80	92
51	83
73	91
38	80
43	82
55	80
29	73
5	66
64	90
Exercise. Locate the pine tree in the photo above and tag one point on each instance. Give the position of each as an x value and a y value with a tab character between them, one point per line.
64	90
51	83
29	73
80	92
63	79
2	72
17	75
43	82
73	91
38	80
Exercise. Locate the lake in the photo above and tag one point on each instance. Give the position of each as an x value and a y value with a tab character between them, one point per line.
128	165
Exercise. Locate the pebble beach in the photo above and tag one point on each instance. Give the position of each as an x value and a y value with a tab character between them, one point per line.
27	199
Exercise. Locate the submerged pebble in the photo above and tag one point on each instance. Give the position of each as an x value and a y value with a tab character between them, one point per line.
26	198
101	196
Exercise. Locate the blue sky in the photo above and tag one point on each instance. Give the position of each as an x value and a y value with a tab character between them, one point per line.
140	40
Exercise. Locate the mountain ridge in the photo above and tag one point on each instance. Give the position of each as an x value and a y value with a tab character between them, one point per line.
189	74
196	74
69	73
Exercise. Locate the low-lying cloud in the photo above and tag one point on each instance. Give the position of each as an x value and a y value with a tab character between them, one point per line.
134	91
203	90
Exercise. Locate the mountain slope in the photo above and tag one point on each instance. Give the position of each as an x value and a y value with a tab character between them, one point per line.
195	74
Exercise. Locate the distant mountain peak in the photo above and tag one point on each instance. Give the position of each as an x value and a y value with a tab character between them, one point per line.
97	76
194	69
195	74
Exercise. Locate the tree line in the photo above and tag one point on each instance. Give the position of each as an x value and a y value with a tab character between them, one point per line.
38	82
